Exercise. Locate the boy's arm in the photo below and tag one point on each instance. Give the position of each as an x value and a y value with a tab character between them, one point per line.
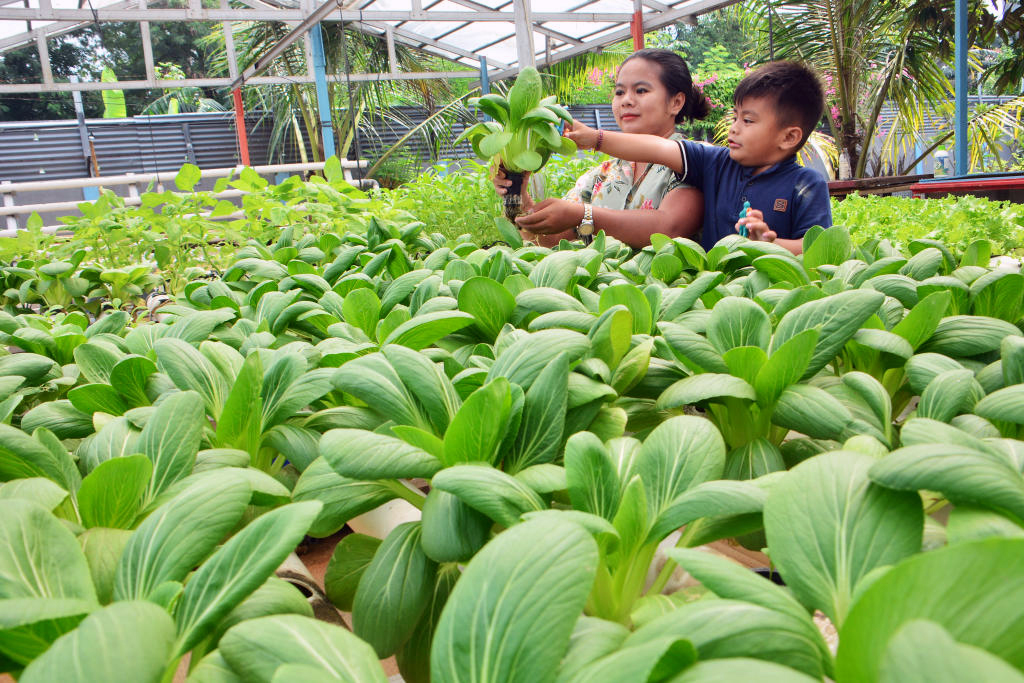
796	246
628	146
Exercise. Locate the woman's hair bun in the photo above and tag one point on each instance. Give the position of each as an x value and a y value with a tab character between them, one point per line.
675	76
697	105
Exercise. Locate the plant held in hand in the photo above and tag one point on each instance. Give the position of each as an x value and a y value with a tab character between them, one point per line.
522	135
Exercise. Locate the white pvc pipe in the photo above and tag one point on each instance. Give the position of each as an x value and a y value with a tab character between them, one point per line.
54	207
137	178
8	190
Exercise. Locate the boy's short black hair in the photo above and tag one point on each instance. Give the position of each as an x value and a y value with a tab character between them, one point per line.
793	88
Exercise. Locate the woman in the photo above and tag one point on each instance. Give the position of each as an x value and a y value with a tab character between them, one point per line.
630	201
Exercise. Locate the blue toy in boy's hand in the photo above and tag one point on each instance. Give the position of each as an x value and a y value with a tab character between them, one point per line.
743	214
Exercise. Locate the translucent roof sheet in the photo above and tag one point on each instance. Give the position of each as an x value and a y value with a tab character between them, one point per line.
19	33
464	30
555	30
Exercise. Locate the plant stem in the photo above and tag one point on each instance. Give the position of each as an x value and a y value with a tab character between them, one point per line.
629	583
406	491
172	668
602	600
670	565
936	506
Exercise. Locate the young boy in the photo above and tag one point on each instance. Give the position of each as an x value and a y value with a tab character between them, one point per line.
776	107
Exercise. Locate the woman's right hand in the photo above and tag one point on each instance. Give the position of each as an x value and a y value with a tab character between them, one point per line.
583	135
501	185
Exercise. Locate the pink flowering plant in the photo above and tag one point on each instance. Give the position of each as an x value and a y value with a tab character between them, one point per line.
718	87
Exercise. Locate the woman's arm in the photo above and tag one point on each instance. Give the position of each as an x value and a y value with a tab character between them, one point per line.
680	215
629	146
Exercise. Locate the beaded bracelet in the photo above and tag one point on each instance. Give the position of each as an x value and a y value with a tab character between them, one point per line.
600	138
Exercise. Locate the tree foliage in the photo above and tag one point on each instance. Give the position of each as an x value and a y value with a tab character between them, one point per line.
85	52
874	53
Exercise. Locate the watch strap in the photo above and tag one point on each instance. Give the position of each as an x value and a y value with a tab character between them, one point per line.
585	230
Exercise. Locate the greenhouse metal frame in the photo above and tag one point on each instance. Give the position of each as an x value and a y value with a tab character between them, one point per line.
498	37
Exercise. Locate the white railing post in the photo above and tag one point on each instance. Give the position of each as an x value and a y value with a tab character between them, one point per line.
133	188
12	222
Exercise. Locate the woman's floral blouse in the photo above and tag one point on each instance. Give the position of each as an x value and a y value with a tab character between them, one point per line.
611	185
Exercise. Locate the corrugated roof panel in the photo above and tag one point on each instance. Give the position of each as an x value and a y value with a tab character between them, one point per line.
474	33
504	51
29	151
598	6
117	148
40	153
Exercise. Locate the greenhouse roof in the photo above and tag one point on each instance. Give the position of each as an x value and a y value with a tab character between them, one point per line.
503	34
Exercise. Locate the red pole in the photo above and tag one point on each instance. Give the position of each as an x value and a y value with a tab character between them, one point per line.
243	139
636	28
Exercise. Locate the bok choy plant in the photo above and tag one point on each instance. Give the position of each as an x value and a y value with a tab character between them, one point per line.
85	557
523	133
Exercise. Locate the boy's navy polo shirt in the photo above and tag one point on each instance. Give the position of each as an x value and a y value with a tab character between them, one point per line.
793	198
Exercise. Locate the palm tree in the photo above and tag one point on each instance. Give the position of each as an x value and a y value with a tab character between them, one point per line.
293	108
177	100
874	52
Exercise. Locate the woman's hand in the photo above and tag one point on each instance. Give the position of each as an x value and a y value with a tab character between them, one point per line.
551	216
757	229
584	136
501	183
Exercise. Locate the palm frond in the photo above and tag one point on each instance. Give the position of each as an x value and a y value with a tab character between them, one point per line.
431	120
574	74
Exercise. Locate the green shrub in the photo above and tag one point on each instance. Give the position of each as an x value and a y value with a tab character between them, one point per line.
460	202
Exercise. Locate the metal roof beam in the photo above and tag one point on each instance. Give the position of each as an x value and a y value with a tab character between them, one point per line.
147	47
418	41
345	10
264	61
525	53
44	57
11	88
287	15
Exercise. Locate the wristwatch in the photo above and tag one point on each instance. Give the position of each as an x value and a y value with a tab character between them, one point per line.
585	230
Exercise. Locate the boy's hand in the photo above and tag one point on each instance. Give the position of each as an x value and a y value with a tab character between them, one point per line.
757	229
551	215
584	136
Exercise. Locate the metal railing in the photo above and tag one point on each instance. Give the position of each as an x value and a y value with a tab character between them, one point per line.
9	190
